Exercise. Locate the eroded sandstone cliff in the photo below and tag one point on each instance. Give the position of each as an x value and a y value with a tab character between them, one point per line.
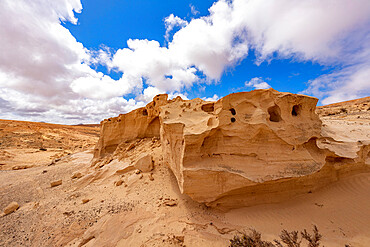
246	148
140	123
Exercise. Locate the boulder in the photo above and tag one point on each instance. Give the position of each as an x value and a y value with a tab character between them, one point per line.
144	163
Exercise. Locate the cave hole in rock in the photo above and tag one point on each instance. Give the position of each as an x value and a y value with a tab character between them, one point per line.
233	119
208	107
296	110
145	112
274	112
232	110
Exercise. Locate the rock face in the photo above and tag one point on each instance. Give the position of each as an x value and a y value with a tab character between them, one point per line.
246	148
140	123
240	140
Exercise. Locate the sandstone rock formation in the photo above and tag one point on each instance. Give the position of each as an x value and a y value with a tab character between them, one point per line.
246	148
140	123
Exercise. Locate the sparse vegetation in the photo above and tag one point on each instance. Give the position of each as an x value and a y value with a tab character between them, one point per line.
287	239
253	239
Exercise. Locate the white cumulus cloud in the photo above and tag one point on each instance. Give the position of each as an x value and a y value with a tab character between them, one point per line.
45	73
257	83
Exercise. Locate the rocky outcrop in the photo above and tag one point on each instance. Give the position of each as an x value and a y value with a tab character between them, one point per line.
140	123
246	148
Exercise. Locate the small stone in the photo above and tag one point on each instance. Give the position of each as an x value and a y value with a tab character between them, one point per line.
77	175
141	176
19	167
180	238
131	146
12	207
170	202
86	200
151	178
119	182
56	183
137	171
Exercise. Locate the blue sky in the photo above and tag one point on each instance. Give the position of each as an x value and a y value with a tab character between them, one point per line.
73	61
114	22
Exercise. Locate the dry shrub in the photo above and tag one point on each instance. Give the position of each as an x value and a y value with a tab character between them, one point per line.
287	239
253	239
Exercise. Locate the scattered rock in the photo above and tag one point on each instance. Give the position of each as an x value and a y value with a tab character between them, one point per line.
43	149
12	207
137	171
56	183
86	200
141	176
68	213
119	182
144	163
131	146
170	202
180	238
151	178
77	175
54	161
21	167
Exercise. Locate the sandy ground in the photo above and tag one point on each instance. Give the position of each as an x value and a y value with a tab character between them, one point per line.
28	144
152	212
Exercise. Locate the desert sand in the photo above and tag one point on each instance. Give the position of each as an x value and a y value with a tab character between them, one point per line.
86	190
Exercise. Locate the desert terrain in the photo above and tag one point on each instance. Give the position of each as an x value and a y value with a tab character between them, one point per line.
76	189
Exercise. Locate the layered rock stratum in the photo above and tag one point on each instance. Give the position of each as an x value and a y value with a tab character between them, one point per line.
247	148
